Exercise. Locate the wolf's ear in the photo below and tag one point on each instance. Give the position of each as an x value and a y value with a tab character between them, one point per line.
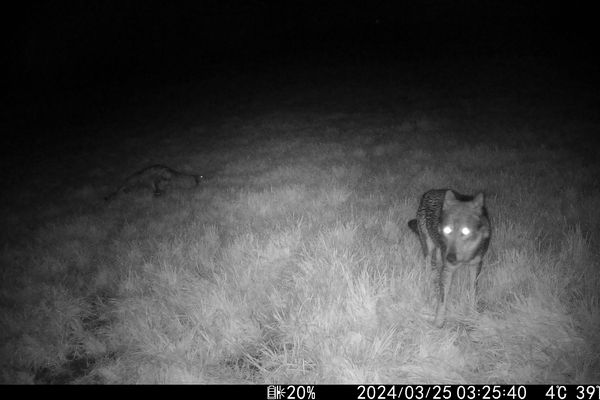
478	200
450	198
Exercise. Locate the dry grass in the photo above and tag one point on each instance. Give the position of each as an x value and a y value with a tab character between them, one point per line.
293	263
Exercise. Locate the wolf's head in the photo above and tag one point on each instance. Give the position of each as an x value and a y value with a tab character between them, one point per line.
198	179
463	227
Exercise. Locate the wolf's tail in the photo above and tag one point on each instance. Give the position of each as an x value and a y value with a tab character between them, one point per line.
412	224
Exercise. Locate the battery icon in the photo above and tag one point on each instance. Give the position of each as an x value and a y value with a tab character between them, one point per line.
275	392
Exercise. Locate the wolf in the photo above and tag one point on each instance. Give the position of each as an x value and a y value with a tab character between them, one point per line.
158	178
454	231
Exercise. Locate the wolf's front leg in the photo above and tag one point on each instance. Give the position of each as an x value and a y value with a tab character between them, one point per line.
444	281
474	271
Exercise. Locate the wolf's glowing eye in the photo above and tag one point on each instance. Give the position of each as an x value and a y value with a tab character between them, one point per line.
465	231
447	230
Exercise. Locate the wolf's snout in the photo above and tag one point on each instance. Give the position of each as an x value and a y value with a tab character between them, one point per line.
451	257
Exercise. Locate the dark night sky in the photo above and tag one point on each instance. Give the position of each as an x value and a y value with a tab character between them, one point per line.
106	40
89	46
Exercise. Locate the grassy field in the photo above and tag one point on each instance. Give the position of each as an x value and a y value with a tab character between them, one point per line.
292	262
